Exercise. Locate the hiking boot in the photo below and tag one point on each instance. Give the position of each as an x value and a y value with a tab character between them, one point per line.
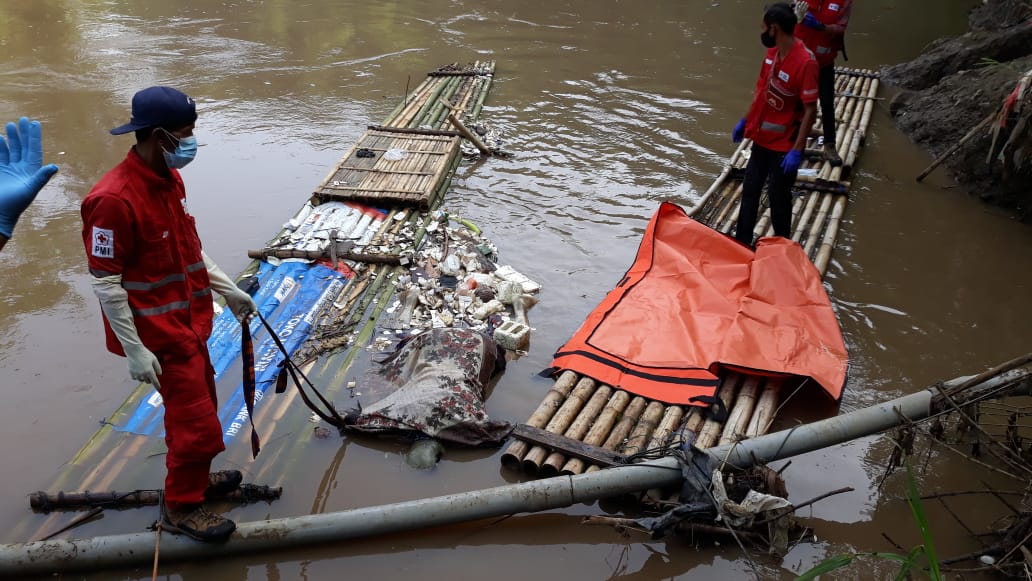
222	483
832	155
197	523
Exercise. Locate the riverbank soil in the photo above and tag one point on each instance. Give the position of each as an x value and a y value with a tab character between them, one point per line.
957	83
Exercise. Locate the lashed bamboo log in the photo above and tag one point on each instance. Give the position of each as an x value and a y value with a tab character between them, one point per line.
671	420
562	419
711	429
600	429
639	438
738	422
513	455
830	234
577	429
766	407
618	436
818	222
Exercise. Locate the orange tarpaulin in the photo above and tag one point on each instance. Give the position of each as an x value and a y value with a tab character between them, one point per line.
695	299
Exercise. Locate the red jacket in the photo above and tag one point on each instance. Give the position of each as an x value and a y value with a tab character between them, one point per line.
782	89
135	224
825	44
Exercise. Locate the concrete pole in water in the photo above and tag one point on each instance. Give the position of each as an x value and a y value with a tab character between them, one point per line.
120	551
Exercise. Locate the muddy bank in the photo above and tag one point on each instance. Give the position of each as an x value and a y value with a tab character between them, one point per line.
959	82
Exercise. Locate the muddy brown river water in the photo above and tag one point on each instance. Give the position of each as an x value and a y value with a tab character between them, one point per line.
608	107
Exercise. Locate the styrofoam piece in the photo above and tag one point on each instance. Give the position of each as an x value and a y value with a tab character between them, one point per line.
512	335
509	291
489	308
511	274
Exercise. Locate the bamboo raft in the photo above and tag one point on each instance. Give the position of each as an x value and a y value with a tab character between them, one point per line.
581	425
419	126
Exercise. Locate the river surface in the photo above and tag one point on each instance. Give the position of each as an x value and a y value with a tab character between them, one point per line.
608	108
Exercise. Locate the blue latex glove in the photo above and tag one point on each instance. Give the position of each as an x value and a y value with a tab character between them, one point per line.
791	162
21	174
810	21
739	131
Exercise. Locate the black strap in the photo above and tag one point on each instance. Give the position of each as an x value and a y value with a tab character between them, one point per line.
247	354
717	410
331	416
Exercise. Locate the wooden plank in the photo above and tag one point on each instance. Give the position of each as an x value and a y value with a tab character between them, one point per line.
569	446
413	131
386	171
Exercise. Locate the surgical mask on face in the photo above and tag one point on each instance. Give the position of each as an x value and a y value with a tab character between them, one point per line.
767	39
185	152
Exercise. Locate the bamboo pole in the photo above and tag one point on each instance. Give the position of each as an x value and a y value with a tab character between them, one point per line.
578	429
818	222
562	419
763	415
804	217
830	234
672	417
735	157
741	413
600	429
639	438
711	429
513	455
974	131
628	419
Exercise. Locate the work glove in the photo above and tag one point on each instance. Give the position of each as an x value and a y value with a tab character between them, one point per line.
739	131
114	301
800	9
22	173
792	161
810	21
238	301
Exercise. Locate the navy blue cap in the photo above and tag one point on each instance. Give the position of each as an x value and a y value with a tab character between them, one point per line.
159	107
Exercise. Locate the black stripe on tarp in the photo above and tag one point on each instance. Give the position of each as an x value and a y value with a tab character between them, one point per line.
642	374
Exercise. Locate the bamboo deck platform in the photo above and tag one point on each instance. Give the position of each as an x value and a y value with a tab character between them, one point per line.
598	421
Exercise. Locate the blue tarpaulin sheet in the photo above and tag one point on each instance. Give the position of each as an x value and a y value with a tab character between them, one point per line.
289	297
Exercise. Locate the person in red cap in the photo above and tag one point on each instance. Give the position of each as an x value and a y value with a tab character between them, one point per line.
22	173
778	122
822	30
154	284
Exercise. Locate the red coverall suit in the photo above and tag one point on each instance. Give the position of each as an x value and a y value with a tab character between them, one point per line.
825	45
135	224
772	123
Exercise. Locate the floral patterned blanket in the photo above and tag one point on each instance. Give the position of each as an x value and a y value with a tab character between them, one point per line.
436	385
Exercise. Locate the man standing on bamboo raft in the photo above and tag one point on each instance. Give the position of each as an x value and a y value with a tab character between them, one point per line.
154	284
783	108
822	30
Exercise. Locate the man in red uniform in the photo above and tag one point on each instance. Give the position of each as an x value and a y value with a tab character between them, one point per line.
822	31
154	284
779	119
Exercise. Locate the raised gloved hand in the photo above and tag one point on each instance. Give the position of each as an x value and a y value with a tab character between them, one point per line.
739	131
22	173
239	302
792	161
810	21
114	301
